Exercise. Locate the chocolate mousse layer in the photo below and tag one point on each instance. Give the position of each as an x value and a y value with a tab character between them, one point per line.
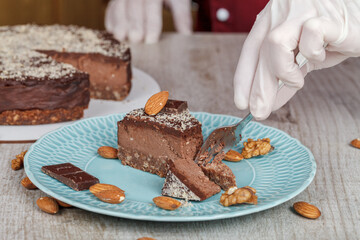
149	142
186	180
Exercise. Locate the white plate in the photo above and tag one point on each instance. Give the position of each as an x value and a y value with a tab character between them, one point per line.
143	86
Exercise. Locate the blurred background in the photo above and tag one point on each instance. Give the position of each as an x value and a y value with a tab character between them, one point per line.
88	13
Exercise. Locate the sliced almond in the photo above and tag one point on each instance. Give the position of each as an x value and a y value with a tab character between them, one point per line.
233	156
167	203
108	152
62	204
156	102
48	205
307	210
28	184
111	196
99	187
356	143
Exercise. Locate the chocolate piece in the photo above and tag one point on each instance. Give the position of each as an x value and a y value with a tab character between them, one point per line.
148	142
70	175
175	106
186	180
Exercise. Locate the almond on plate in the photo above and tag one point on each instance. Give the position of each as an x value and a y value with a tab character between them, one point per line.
111	196
156	102
108	152
99	187
233	156
167	203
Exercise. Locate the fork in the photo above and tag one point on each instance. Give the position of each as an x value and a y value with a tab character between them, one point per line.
222	139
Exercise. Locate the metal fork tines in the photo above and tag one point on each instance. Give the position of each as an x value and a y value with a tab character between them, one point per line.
222	140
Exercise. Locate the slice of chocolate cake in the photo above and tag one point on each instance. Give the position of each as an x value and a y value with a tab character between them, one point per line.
149	142
186	180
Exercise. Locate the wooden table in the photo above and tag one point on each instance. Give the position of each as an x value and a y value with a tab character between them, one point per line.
324	116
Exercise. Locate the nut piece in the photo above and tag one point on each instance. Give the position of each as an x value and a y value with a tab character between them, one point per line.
167	203
233	156
62	204
156	102
99	187
255	148
236	195
111	196
28	184
108	152
307	210
48	205
18	162
356	143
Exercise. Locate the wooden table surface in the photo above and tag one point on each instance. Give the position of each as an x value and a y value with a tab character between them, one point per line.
324	116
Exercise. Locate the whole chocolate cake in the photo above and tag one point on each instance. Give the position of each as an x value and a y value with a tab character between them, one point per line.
148	142
45	72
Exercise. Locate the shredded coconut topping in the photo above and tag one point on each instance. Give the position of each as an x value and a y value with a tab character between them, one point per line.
179	121
18	45
20	66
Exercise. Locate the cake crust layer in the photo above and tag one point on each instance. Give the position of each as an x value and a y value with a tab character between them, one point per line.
37	116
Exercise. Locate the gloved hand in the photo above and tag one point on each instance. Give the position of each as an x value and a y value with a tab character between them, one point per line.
141	20
269	50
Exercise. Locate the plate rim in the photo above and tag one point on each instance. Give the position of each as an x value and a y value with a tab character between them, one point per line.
175	218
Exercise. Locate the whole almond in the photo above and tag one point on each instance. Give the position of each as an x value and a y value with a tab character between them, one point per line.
233	156
108	152
62	204
99	187
167	203
307	210
111	196
48	205
356	143
17	164
28	184
156	102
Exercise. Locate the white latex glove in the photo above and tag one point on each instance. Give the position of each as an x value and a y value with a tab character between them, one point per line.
141	20
283	26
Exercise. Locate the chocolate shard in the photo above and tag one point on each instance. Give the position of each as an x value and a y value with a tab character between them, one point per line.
175	106
70	175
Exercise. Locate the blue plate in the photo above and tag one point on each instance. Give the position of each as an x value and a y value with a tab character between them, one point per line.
277	177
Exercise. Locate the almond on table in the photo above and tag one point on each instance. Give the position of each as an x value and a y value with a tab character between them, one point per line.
307	210
48	205
356	143
26	183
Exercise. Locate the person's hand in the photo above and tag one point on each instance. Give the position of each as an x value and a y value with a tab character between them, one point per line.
141	20
282	27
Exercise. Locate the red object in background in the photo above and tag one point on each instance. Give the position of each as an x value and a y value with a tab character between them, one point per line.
228	15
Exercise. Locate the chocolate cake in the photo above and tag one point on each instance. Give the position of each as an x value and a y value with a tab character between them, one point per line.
148	142
45	72
186	180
